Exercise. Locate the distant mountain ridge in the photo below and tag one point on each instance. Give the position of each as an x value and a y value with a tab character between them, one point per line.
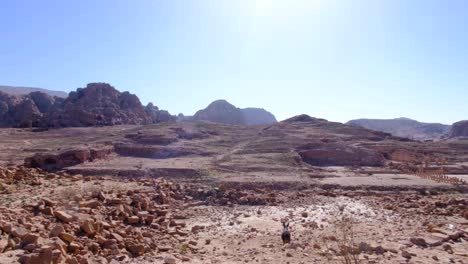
221	111
404	127
19	90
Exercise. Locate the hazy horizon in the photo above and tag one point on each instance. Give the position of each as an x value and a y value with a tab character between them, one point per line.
338	60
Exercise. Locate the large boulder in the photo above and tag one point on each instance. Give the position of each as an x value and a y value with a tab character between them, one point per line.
335	154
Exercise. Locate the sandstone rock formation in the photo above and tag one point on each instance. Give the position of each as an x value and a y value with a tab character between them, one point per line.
24	111
99	104
221	111
332	154
50	162
459	129
157	115
403	127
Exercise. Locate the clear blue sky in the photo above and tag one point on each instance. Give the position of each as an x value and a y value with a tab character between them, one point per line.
335	59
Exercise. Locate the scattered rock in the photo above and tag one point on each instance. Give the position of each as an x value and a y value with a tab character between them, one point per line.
63	216
169	259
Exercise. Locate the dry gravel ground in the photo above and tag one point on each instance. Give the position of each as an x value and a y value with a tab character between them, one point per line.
326	226
241	184
251	234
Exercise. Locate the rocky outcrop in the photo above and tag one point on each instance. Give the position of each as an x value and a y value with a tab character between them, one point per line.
334	154
258	116
155	151
221	111
458	129
24	111
157	115
44	102
403	127
99	104
67	158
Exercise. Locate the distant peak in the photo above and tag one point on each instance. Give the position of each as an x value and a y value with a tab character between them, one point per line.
220	102
301	118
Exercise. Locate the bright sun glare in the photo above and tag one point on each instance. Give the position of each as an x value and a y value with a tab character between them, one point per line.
282	8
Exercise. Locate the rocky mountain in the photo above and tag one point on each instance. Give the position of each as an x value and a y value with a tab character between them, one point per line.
458	129
18	90
26	110
404	127
99	104
221	111
258	116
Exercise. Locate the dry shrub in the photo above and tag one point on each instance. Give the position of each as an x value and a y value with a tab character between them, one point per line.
346	243
343	242
210	173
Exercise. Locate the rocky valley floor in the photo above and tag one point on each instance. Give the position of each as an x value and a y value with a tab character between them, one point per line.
200	192
56	218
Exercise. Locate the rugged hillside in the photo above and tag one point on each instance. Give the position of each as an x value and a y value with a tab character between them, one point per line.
17	90
221	111
26	110
403	127
258	116
459	129
97	104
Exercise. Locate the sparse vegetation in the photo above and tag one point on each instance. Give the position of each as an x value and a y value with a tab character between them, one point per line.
345	240
210	173
184	249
